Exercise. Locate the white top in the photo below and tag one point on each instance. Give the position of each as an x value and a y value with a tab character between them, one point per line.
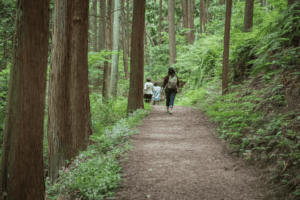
148	88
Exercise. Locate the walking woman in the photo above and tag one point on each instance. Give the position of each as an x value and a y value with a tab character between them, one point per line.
148	90
170	85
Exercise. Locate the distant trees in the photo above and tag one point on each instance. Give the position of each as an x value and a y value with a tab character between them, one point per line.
95	29
172	39
226	48
124	39
202	16
248	15
135	98
69	119
22	173
191	12
185	16
159	22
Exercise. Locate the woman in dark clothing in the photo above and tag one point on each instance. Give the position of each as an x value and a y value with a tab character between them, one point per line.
170	85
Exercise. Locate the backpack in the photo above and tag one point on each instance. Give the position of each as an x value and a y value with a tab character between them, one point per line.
172	83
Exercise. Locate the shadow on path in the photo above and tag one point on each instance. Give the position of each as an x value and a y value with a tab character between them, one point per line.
178	157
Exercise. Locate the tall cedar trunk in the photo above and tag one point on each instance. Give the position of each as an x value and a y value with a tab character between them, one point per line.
95	25
115	58
226	48
200	17
102	35
248	16
160	19
261	3
207	8
172	39
185	17
191	20
108	35
128	29
135	98
69	120
147	53
202	14
102	25
22	173
124	39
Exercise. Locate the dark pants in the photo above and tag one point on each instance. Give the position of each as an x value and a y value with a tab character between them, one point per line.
170	97
147	98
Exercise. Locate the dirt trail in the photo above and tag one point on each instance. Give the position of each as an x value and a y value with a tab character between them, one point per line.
178	157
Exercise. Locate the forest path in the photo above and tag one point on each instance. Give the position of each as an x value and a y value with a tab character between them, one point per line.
178	157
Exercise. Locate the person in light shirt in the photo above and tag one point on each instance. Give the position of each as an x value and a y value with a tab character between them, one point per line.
156	93
148	90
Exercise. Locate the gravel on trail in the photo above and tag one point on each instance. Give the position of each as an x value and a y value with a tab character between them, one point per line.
179	157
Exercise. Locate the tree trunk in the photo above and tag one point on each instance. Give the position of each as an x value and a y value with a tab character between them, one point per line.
22	172
135	98
185	16
128	29
172	39
69	119
108	34
115	58
207	8
191	20
102	25
202	14
291	2
124	38
248	16
226	48
159	25
95	25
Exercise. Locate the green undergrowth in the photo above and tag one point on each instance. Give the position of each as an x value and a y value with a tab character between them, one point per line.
255	122
95	173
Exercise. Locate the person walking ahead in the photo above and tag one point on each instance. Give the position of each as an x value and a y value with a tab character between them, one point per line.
148	90
170	85
156	95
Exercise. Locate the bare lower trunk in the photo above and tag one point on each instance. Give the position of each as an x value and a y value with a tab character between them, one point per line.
115	57
172	39
69	125
135	98
203	16
185	16
226	48
95	25
107	68
124	39
191	20
22	173
207	8
248	16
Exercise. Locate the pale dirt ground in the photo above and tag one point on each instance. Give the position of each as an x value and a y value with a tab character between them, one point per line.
178	157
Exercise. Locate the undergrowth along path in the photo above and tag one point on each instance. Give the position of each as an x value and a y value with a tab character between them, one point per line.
179	157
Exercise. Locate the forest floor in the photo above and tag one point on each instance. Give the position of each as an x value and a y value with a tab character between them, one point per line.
178	156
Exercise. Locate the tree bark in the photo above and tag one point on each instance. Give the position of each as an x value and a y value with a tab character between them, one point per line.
115	58
109	42
248	16
95	25
185	17
159	25
124	39
69	119
191	20
207	8
128	29
172	39
22	173
202	13
226	48
135	98
102	25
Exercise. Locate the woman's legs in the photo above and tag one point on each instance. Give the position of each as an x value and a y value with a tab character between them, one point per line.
167	101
